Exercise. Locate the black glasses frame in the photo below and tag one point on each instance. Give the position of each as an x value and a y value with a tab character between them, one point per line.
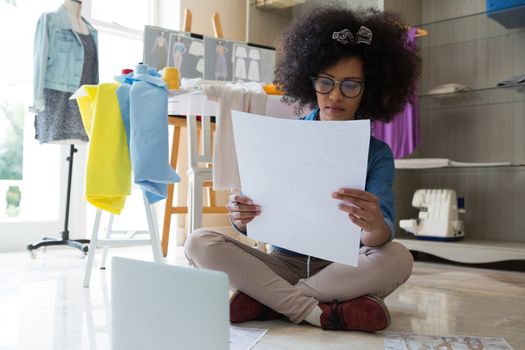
334	82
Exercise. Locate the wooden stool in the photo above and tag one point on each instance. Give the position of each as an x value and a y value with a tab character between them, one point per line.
178	123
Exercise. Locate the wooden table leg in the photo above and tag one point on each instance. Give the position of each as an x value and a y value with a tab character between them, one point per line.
171	187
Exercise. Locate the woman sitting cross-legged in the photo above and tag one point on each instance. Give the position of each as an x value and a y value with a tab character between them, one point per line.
348	64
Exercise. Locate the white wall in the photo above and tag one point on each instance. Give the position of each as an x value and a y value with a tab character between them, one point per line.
169	14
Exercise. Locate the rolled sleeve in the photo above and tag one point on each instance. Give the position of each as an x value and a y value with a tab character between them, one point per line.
40	63
380	178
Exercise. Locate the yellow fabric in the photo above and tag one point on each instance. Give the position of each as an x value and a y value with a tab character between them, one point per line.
108	169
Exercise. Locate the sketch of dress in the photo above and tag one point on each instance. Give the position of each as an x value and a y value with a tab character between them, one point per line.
240	62
253	70
159	47
221	67
179	49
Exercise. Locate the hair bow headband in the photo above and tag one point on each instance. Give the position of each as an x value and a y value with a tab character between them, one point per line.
345	36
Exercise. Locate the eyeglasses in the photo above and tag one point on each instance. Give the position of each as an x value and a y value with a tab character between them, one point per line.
349	88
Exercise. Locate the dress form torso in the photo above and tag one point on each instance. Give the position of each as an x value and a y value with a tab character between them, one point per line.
73	10
60	122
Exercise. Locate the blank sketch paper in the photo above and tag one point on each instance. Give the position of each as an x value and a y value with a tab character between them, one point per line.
291	168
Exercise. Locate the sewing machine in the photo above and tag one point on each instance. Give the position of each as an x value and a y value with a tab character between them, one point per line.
438	217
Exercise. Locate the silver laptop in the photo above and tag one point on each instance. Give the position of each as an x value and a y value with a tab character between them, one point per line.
157	306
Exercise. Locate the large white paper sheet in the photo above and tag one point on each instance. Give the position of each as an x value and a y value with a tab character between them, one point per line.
290	168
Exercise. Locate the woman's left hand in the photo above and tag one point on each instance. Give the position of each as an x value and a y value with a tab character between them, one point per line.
364	210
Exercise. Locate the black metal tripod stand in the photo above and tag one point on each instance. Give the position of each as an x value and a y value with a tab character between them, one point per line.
64	240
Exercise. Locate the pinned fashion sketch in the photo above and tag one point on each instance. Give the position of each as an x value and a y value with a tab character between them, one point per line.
241	54
218	59
221	68
160	48
197	50
155	47
252	63
177	51
164	47
65	57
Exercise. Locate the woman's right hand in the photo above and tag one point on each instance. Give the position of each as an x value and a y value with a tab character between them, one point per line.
242	210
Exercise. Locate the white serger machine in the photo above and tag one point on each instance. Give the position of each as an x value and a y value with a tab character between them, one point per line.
438	217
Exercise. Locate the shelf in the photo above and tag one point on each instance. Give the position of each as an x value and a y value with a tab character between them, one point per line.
461	29
445	163
477	167
474	98
468	251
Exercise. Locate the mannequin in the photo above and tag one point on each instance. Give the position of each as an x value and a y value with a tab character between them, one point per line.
73	9
65	57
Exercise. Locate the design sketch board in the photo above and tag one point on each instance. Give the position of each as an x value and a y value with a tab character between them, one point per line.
163	47
206	57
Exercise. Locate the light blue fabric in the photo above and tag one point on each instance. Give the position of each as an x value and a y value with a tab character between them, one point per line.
123	101
144	109
58	56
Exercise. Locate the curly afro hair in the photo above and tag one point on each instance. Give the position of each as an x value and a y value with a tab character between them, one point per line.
391	68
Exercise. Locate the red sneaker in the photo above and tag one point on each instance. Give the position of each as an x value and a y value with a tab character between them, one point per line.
366	313
244	308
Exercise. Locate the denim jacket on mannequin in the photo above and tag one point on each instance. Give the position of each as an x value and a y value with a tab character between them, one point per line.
58	55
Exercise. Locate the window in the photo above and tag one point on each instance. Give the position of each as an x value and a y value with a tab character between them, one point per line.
29	173
33	177
123	13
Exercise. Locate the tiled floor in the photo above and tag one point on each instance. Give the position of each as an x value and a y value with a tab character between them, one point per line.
44	306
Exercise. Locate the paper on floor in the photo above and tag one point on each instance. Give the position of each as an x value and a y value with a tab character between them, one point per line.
290	168
404	341
242	338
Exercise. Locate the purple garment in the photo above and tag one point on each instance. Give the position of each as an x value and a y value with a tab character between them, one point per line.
402	133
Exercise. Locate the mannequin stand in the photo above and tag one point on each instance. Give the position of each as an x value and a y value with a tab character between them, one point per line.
64	240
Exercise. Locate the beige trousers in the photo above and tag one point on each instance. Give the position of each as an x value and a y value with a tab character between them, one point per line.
282	282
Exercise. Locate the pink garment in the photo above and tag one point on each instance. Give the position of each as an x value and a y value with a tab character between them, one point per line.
402	133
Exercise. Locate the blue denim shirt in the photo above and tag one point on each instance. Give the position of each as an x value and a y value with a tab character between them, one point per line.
379	179
58	55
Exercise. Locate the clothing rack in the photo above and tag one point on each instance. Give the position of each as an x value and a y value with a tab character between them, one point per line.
64	239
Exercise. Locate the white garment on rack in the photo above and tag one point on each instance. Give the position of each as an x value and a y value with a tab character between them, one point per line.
246	97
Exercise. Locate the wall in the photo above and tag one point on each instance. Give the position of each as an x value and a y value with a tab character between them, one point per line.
264	26
232	14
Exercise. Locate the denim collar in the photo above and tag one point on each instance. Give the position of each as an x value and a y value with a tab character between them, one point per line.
312	115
